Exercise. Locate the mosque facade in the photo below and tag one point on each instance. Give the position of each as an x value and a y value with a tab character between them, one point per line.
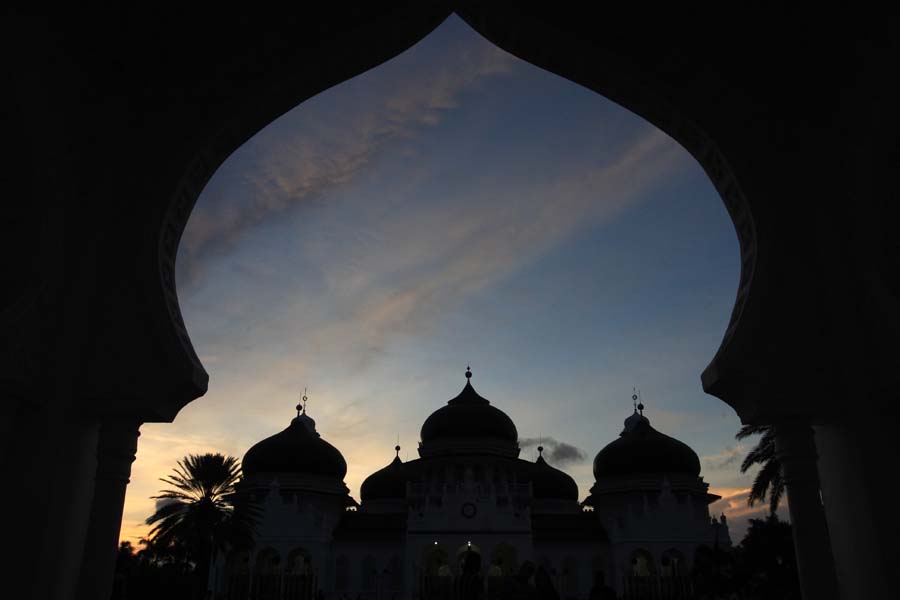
470	508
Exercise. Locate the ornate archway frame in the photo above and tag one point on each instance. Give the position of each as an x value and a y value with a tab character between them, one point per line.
350	54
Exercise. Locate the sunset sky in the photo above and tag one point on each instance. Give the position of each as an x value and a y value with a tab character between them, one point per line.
455	206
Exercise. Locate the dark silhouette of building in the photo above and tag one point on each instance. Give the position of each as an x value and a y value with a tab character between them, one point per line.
114	121
423	528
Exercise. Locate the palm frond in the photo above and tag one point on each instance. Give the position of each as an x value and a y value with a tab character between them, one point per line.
776	491
763	481
205	510
769	481
763	452
748	430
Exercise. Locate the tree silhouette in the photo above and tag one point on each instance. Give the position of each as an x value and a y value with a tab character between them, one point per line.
769	480
203	512
768	562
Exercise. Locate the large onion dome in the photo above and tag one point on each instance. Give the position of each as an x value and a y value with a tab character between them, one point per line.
388	483
642	449
548	482
297	450
469	416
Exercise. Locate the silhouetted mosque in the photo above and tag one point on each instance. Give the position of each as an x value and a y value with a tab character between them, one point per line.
791	115
469	497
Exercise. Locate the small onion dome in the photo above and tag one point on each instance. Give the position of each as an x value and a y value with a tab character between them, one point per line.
386	483
298	449
469	416
550	483
642	449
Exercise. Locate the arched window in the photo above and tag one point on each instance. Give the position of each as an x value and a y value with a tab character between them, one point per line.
570	576
546	563
369	573
672	563
434	557
394	575
299	562
341	573
641	563
505	558
268	562
238	562
704	559
599	566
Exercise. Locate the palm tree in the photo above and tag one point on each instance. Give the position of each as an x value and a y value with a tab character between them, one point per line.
769	480
203	512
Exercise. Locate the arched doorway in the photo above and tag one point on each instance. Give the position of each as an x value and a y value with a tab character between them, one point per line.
342	573
614	81
672	564
570	579
267	574
642	563
369	573
300	579
393	575
465	553
505	557
551	569
435	560
268	562
238	573
436	574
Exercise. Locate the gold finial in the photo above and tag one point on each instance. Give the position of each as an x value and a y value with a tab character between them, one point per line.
301	408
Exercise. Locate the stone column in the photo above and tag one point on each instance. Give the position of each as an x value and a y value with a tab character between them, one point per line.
48	461
856	463
796	450
115	453
68	519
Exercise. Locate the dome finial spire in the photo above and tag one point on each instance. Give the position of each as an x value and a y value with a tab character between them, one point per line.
302	418
634	398
301	407
640	405
468	372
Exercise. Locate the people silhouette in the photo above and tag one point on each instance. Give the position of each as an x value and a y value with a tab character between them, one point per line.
470	585
517	587
544	585
601	591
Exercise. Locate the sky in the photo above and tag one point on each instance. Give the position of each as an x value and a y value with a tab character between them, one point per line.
455	206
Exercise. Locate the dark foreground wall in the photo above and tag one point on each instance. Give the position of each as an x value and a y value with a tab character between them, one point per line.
113	122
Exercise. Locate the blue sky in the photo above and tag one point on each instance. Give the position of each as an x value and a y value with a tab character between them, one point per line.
455	206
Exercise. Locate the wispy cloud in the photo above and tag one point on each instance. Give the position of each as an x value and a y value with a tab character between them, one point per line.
559	454
733	505
449	253
726	459
307	153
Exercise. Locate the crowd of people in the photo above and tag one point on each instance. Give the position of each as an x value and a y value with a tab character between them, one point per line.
529	583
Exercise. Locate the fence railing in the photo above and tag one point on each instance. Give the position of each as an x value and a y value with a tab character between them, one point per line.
271	586
438	587
655	587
